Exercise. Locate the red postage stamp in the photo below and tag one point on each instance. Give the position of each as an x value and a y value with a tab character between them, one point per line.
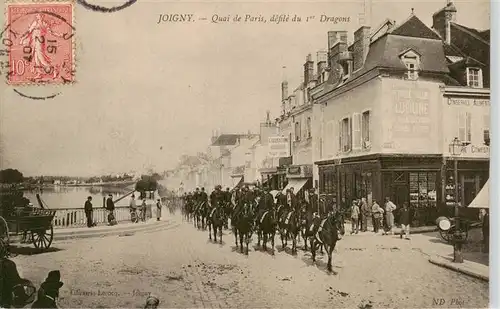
40	39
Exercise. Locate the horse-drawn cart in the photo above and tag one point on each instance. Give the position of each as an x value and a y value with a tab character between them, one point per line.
34	224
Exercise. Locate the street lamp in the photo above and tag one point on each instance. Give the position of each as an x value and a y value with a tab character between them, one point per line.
459	237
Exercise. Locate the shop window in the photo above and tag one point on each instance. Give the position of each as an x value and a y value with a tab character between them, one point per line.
464	127
474	77
365	130
486	129
423	196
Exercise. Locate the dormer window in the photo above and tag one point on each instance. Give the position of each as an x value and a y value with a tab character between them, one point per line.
346	70
412	62
475	77
324	76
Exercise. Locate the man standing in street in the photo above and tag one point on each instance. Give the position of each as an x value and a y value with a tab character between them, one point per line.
366	212
377	216
404	219
354	217
110	207
486	232
389	217
313	200
133	209
158	209
89	211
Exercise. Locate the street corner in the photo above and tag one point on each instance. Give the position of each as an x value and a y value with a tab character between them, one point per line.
470	268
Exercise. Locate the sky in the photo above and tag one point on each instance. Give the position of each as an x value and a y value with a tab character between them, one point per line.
147	93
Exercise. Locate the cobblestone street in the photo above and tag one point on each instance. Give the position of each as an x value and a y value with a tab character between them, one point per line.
185	270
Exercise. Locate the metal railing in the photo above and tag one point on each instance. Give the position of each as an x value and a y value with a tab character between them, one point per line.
75	217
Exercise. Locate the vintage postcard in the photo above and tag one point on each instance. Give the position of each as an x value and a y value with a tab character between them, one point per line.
245	154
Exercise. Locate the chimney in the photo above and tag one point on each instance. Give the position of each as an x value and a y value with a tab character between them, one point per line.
441	21
321	57
284	90
267	129
214	136
308	70
360	46
337	43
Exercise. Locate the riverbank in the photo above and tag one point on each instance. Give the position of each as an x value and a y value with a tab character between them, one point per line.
6	188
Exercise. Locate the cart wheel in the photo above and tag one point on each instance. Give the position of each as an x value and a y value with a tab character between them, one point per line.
42	239
4	234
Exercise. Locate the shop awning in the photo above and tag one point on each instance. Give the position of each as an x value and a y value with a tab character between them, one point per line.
237	181
482	199
296	184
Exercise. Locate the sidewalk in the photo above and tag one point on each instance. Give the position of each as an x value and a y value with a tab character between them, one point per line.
106	230
470	268
397	230
476	263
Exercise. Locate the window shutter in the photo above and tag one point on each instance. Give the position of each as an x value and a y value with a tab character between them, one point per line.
461	126
349	134
356	133
327	137
486	121
468	120
339	132
331	138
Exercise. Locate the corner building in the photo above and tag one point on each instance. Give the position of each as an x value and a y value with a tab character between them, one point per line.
384	117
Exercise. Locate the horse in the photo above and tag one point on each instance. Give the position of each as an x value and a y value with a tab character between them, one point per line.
281	213
235	212
215	220
227	208
266	228
244	224
290	227
307	219
188	210
201	214
329	231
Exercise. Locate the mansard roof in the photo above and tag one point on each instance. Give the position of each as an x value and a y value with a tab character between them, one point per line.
414	27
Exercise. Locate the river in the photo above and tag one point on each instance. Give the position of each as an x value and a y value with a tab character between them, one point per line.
75	197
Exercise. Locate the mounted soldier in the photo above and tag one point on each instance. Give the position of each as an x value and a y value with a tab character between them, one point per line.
216	197
266	203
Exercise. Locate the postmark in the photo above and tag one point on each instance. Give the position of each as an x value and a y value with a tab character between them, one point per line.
102	9
39	43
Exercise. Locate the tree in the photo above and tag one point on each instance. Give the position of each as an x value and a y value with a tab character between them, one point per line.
11	176
147	183
11	200
156	176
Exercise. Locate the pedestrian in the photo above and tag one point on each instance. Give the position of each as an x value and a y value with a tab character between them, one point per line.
143	210
354	217
377	216
158	209
49	291
486	232
366	213
89	212
389	217
133	210
404	219
110	207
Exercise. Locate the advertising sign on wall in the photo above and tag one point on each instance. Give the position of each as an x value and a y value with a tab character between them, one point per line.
279	146
410	121
411	111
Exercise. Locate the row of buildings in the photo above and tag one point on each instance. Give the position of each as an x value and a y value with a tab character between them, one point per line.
392	114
